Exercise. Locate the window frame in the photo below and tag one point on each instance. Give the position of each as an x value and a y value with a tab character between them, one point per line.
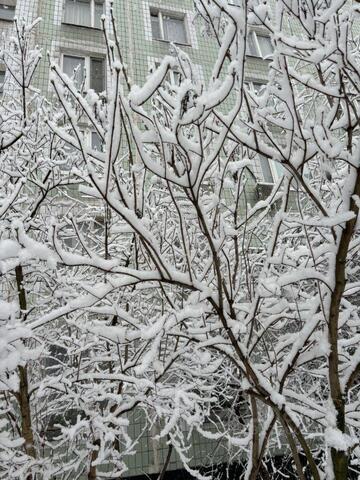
92	16
259	53
160	13
87	67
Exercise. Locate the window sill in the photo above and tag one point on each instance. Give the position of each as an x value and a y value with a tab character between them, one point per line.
171	41
8	20
77	25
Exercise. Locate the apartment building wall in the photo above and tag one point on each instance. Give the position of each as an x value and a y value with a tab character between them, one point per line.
62	37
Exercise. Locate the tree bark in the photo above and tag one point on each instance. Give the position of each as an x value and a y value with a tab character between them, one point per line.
23	394
340	458
24	404
94	455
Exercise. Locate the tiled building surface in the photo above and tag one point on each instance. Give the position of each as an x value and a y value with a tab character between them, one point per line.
70	33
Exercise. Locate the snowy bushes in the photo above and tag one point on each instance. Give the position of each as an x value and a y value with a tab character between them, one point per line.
176	295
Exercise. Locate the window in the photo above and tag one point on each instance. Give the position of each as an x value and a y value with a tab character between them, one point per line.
256	89
94	67
86	13
74	67
174	76
7	10
2	80
168	27
258	45
96	142
255	86
70	154
270	170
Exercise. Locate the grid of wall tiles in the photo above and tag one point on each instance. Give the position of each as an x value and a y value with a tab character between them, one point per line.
133	26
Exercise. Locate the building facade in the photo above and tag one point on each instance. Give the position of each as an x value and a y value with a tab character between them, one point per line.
71	33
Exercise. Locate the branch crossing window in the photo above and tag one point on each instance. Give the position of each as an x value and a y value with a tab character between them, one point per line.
168	27
86	13
7	10
94	67
174	76
255	86
258	45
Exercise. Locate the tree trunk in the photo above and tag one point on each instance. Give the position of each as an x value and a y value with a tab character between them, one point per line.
25	412
340	458
24	404
23	394
94	455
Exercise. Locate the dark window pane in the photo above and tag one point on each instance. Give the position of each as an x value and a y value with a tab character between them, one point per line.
97	74
2	80
96	142
75	67
155	26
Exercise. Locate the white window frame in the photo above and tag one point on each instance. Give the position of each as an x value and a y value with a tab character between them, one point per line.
176	15
259	53
87	66
92	16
